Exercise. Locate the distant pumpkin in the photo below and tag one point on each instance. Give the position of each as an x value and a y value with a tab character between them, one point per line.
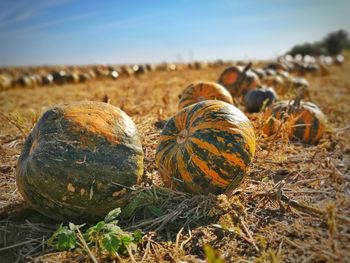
278	83
256	99
78	161
238	81
205	148
72	78
59	77
200	91
5	81
305	122
277	66
260	72
47	79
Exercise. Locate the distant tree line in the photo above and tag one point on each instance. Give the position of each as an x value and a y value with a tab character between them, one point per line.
331	45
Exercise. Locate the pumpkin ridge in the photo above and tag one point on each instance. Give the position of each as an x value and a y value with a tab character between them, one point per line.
242	132
200	179
319	128
200	111
197	176
201	91
223	163
170	129
213	150
181	166
314	130
208	172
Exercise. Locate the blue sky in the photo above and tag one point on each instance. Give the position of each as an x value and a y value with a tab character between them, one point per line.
36	32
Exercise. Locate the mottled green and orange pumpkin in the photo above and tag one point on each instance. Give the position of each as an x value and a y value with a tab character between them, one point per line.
200	91
239	81
205	148
78	161
304	121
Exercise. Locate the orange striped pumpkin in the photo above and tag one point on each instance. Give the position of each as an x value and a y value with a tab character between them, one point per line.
304	122
232	77
205	148
199	91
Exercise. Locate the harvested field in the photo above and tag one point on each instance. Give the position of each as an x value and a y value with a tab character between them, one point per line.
294	205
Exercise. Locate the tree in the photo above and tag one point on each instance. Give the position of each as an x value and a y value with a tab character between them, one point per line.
331	45
335	42
315	49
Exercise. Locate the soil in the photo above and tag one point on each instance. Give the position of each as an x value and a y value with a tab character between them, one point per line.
294	205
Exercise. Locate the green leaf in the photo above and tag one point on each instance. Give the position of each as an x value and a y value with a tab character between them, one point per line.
111	228
112	215
98	227
93	232
126	240
63	239
137	235
105	236
110	243
66	240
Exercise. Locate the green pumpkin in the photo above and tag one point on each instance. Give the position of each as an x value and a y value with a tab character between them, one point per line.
79	160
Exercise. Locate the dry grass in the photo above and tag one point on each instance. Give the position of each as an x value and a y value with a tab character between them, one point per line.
294	205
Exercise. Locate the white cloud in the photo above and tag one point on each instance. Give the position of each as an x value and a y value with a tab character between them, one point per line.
57	22
20	11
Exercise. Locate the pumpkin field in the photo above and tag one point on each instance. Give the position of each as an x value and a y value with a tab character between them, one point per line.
267	182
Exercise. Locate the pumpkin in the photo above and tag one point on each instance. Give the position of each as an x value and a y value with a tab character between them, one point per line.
5	81
150	67
113	74
277	82
260	72
78	161
270	72
139	69
277	66
84	77
205	148
293	85
304	121
199	91
339	59
256	99
59	77
72	78
299	83
25	81
125	71
239	81
47	80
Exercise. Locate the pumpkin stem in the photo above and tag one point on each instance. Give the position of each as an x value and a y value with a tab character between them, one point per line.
246	68
299	96
181	138
242	77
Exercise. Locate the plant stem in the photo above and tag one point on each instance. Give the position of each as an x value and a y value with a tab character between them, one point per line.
85	246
